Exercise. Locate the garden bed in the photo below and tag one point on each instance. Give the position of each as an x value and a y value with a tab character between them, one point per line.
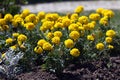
51	46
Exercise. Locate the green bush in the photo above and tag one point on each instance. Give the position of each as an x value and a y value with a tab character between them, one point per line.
10	6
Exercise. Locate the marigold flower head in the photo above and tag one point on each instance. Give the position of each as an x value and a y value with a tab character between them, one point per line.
108	39
83	19
69	43
43	28
51	16
8	17
2	21
50	35
38	50
110	46
25	13
41	42
47	46
73	27
90	37
94	16
66	22
74	16
16	16
48	24
110	33
56	40
41	15
108	13
99	10
9	41
75	52
29	26
79	9
100	46
14	47
104	21
58	33
58	25
5	27
21	38
81	28
74	35
15	35
90	26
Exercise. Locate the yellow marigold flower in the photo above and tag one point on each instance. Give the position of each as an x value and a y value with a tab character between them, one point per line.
90	37
47	46
41	15
110	33
81	28
38	50
14	23
29	26
51	16
90	26
94	16
83	19
104	21
25	13
50	35
100	46
15	35
22	37
58	25
74	16
73	27
93	22
2	21
66	22
8	17
79	9
14	47
108	13
9	41
99	10
48	24
108	39
110	46
58	34
18	20
16	16
32	17
43	28
75	52
56	40
41	42
69	43
74	35
5	27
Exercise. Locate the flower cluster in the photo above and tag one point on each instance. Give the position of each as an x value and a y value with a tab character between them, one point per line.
59	38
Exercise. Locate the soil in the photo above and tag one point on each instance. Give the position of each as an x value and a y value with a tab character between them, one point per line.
96	70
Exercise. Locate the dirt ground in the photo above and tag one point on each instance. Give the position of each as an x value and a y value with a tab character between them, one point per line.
96	70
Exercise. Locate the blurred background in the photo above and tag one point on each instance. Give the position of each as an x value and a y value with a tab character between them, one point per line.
15	6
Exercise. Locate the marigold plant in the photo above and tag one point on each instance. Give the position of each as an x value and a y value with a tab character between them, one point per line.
54	39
